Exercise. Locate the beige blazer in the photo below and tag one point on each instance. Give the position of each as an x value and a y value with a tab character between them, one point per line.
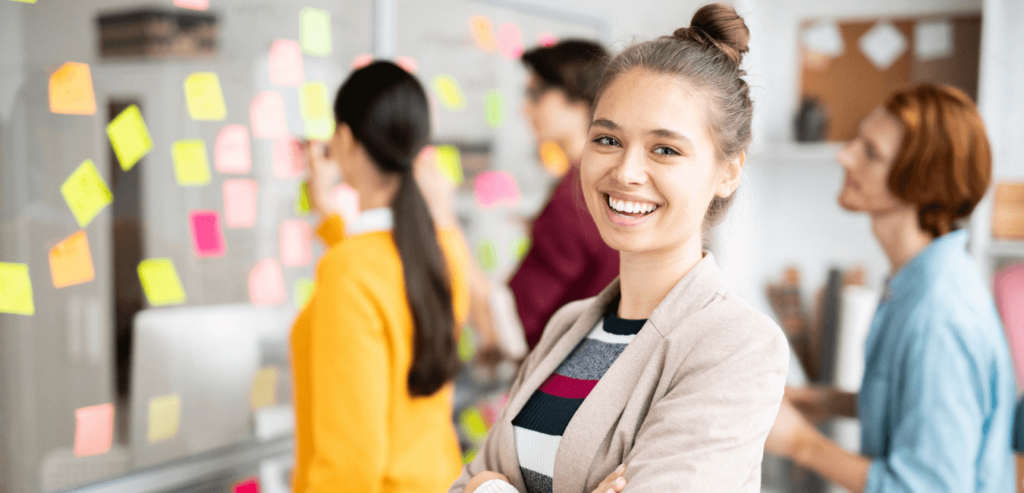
687	406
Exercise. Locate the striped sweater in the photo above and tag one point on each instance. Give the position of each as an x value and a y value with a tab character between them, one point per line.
540	424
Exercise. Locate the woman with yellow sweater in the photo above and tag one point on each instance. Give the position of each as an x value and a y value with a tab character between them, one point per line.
374	350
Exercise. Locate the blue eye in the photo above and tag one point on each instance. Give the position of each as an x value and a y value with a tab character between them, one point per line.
668	151
606	141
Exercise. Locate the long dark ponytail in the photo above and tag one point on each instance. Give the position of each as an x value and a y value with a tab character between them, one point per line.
387	111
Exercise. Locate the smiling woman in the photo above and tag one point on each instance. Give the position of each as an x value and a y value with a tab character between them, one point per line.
666	381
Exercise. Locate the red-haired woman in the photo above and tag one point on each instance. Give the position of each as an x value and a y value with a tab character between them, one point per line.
937	398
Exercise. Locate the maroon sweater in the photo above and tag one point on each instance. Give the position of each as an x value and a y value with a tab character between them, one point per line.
568	260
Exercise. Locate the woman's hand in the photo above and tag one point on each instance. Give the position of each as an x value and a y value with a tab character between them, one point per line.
614	483
820	403
323	175
790	432
482	478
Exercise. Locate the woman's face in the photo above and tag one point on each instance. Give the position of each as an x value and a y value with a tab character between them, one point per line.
551	114
868	159
650	169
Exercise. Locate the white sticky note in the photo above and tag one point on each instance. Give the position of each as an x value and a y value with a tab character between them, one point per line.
824	37
933	40
883	44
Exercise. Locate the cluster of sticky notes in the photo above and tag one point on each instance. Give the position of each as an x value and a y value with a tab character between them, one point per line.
494	108
287	157
86	193
449	161
466	346
71	91
191	167
71	261
16	289
129	137
267	116
266	284
94	430
296	243
160	282
346	201
408	64
251	485
473	425
207	235
553	158
315	31
547	40
302	205
204	97
510	41
192	4
285	63
448	92
240	203
361	60
232	154
302	291
264	388
487	256
495	188
520	246
164	417
483	32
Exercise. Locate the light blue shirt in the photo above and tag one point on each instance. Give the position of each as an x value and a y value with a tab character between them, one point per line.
937	400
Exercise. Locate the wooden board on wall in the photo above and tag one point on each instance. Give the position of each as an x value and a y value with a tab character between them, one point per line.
849	86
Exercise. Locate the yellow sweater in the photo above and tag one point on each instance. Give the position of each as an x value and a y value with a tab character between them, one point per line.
357	427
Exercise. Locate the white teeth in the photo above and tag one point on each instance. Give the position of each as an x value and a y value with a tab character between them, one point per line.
631	207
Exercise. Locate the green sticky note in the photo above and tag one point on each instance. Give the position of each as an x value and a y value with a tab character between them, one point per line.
520	246
204	96
449	92
467	345
313	101
469	456
130	137
494	108
315	32
160	282
473	424
302	201
450	163
302	291
191	167
86	193
16	290
487	256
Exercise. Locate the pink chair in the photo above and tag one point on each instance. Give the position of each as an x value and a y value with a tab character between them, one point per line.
1008	288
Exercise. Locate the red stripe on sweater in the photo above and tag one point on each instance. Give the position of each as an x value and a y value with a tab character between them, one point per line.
569	388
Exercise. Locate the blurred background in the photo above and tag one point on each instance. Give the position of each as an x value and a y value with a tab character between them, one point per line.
155	236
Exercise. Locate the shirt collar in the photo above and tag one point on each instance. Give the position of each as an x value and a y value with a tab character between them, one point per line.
936	255
379	219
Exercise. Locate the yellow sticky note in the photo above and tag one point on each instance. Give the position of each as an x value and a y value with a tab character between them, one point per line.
302	291
473	425
71	261
449	161
313	99
322	129
16	289
71	90
160	282
264	388
164	417
130	137
204	97
25	1
191	167
449	92
302	206
315	32
86	193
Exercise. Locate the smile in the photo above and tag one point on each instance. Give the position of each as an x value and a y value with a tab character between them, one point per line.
627	208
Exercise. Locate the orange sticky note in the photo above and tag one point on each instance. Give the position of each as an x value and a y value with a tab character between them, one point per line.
86	193
267	117
71	90
190	165
483	32
510	41
192	4
129	137
164	417
71	261
240	203
266	284
286	68
231	151
160	282
204	96
553	158
94	430
16	289
264	388
296	243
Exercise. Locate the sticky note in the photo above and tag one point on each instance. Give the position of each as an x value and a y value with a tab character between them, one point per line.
24	1
240	203
248	486
361	60
16	289
129	136
315	31
285	63
468	456
266	284
448	92
193	4
483	32
408	64
86	193
231	152
94	430
547	39
71	261
207	236
449	162
520	246
190	165
313	101
302	205
164	417
160	282
466	346
288	162
296	243
510	41
494	108
71	90
473	424
302	291
553	158
267	117
486	256
346	201
322	129
204	97
495	187
264	388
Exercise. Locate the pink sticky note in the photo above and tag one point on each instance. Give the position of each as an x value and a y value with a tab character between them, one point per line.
94	430
547	39
240	204
510	41
266	284
288	161
408	64
286	63
267	117
495	187
231	152
248	486
207	237
296	243
346	200
361	61
192	4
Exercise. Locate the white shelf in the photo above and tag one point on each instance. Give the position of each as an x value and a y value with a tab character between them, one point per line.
1006	249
